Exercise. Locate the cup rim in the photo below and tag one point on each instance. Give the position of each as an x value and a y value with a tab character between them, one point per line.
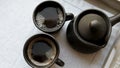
50	29
34	37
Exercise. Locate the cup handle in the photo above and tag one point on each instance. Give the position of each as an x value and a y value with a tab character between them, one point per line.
59	62
69	16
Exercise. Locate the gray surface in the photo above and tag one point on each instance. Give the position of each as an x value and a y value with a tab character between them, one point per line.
116	60
16	26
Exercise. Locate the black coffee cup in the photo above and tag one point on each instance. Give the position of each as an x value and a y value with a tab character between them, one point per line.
50	16
42	51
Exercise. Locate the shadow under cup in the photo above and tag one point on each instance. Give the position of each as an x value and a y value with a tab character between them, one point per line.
41	50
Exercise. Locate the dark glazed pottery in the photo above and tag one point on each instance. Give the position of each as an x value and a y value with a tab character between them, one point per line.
90	30
27	52
51	15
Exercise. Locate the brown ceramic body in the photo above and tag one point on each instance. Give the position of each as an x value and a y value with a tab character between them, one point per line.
66	16
55	60
82	45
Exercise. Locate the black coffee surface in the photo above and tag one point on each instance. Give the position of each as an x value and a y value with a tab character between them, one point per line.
41	51
51	16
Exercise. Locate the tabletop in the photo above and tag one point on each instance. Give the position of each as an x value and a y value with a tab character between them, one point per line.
16	26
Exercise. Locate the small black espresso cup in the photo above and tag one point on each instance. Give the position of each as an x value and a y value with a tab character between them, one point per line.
42	51
50	16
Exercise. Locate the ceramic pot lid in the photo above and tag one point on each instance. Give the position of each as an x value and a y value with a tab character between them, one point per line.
92	27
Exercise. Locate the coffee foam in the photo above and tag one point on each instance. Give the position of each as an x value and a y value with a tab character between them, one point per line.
41	20
47	54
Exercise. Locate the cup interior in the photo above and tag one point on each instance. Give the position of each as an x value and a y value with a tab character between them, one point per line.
49	16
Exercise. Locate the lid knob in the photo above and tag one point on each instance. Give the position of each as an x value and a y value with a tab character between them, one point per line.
94	26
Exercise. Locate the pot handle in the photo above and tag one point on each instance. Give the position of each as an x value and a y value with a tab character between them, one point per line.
115	19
